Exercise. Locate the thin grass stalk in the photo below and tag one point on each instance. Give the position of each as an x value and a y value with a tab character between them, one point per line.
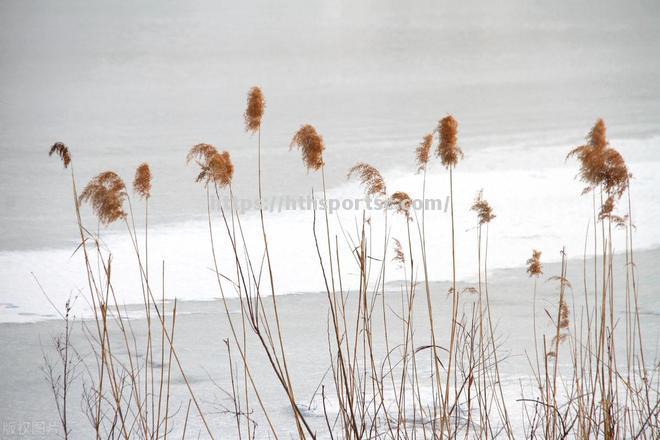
228	314
272	287
454	308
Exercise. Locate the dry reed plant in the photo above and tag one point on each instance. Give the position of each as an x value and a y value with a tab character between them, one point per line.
534	266
399	256
256	105
448	150
106	194
402	203
142	181
450	154
311	145
125	393
370	178
216	167
483	209
382	361
62	151
600	164
423	152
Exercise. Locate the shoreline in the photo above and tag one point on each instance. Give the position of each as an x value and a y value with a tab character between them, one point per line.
496	275
202	326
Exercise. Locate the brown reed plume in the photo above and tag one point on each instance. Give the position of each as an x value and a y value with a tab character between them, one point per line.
399	257
106	193
142	181
62	151
423	152
312	146
563	315
215	167
256	104
483	209
562	326
534	266
600	164
402	202
370	178
201	153
448	149
220	169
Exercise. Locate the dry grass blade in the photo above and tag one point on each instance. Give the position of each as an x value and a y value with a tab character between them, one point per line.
106	193
62	151
142	181
311	145
256	104
448	149
370	178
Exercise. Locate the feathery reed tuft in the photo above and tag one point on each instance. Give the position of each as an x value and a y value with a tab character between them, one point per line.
448	149
600	164
201	153
423	152
402	202
256	104
564	320
370	178
562	325
215	167
607	212
62	151
220	169
142	181
534	266
399	257
311	145
106	193
483	209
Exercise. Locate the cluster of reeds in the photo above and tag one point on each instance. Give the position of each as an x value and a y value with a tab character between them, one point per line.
389	376
599	394
126	383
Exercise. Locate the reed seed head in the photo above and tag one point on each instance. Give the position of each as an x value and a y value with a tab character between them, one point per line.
564	320
399	256
600	164
62	151
534	266
311	145
370	179
597	137
142	181
215	167
220	169
256	104
423	152
483	209
201	153
106	194
402	202
563	324
607	212
448	149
